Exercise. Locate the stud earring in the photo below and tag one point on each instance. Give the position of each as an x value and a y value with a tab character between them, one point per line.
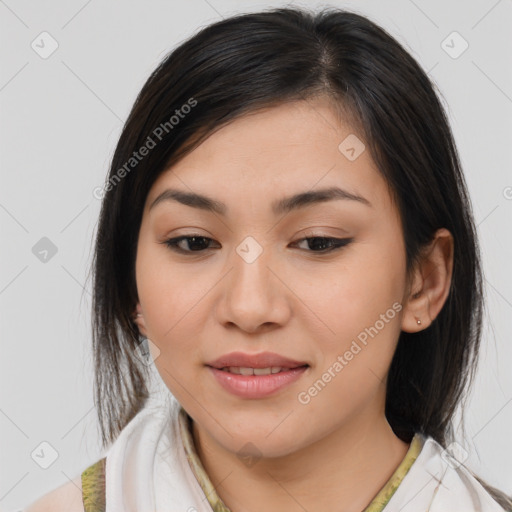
418	321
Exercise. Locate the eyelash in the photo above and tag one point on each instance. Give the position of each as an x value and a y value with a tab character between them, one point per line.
336	243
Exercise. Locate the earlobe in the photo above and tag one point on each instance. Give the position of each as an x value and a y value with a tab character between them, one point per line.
431	283
416	313
138	318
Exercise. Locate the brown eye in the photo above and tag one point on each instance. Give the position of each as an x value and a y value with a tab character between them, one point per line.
322	244
195	243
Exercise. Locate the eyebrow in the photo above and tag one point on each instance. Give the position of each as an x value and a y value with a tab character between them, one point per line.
280	206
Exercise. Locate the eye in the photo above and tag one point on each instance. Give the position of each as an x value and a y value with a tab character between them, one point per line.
198	243
195	242
325	244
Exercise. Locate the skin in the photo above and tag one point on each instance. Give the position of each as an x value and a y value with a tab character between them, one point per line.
305	305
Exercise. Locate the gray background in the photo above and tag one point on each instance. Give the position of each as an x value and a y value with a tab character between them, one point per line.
60	119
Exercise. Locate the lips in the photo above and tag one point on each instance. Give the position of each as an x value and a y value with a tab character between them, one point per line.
256	376
251	387
258	361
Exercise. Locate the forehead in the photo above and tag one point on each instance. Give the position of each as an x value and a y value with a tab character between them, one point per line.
278	151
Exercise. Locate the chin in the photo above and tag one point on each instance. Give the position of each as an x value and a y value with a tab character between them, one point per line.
259	439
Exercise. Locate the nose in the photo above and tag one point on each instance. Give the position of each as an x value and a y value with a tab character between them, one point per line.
253	296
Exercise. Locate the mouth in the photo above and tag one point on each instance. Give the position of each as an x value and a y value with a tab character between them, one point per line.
240	370
258	375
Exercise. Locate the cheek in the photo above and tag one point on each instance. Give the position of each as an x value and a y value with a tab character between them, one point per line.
168	300
353	363
350	296
166	295
359	309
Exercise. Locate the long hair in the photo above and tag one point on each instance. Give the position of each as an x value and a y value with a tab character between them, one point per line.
254	61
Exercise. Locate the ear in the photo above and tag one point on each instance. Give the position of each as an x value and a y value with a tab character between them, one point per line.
430	283
138	318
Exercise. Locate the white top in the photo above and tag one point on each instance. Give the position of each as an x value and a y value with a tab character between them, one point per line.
147	471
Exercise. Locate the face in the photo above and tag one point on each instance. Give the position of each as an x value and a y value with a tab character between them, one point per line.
320	283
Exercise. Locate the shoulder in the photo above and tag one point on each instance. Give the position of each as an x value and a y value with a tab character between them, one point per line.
439	481
460	482
454	461
66	498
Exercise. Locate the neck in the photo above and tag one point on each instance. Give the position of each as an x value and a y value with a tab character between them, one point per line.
342	471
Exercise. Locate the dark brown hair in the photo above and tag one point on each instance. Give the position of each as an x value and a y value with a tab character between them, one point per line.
254	61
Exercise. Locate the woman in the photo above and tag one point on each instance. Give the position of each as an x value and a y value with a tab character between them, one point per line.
287	230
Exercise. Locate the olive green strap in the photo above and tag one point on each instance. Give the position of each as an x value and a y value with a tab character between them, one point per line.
380	501
93	487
